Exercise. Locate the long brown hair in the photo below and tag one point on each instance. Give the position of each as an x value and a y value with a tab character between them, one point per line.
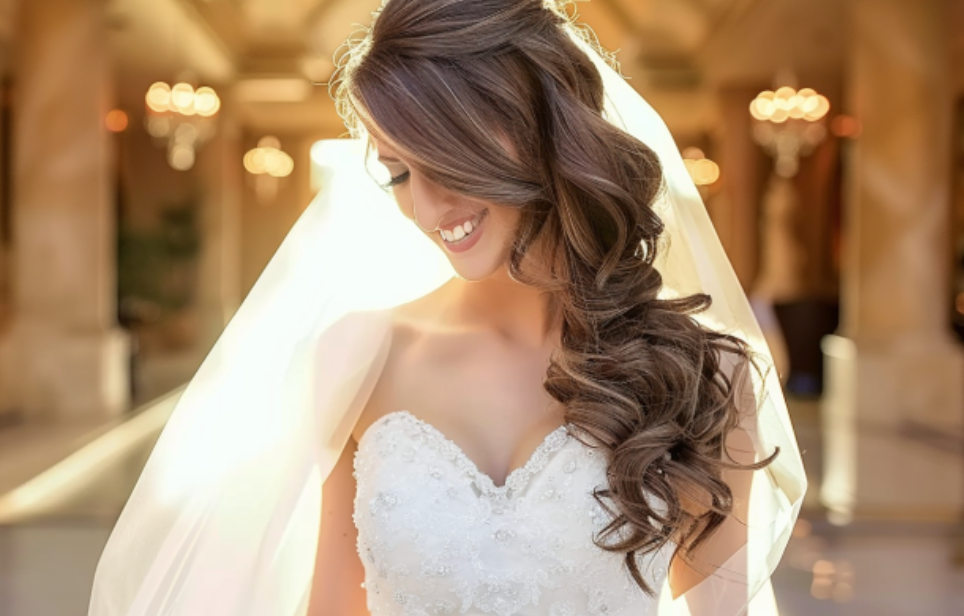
449	81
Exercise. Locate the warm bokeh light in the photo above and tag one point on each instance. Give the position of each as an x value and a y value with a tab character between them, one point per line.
703	171
789	125
845	127
206	102
832	581
268	159
182	116
159	97
182	98
158	126
181	157
116	121
822	585
693	153
787	103
803	528
269	141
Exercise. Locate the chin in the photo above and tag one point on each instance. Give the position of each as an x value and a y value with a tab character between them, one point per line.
479	263
476	272
487	256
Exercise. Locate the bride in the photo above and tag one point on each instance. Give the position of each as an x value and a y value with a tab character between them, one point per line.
574	417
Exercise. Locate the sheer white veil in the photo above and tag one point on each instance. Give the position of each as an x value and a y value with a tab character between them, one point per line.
224	519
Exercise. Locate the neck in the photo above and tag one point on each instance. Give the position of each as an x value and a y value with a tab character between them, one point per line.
518	312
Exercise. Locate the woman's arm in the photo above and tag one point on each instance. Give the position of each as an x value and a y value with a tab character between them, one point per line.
691	567
686	572
337	584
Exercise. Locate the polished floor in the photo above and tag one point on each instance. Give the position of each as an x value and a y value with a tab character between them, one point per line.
862	569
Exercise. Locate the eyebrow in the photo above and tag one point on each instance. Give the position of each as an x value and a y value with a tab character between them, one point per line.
388	159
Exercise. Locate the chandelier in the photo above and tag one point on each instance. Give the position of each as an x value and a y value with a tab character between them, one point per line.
789	125
704	171
181	119
268	164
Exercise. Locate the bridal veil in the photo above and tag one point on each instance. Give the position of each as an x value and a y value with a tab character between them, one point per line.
224	519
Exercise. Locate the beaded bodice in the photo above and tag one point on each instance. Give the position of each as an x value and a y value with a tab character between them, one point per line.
437	536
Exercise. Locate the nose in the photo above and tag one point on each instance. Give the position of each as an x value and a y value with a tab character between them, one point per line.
429	203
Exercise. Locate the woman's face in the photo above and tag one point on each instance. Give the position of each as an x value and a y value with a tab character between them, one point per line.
475	235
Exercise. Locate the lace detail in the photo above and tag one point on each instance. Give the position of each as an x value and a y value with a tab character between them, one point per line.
437	536
516	480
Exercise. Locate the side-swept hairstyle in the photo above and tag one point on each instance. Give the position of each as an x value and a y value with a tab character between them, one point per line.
448	81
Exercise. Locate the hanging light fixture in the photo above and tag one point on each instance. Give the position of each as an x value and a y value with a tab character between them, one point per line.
704	171
268	159
268	164
789	125
786	103
182	118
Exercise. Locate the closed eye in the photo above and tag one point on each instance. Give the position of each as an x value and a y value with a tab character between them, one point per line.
396	180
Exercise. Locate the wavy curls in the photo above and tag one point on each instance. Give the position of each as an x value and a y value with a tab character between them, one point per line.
449	81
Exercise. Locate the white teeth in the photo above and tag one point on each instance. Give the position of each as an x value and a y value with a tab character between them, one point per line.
461	231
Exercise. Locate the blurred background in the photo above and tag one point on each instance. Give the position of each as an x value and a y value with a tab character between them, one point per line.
153	154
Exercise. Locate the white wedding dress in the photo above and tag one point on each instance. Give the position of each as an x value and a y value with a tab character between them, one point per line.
437	536
224	520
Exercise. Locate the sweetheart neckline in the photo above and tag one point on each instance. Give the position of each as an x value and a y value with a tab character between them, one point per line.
517	478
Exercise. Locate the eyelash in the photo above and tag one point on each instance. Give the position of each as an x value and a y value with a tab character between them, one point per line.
398	179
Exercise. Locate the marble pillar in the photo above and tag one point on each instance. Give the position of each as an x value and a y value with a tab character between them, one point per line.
735	211
894	403
219	283
64	355
8	15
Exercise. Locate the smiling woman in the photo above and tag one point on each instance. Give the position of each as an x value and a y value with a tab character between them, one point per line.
491	111
578	420
454	221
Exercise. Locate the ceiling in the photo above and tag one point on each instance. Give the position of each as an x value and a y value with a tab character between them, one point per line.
674	51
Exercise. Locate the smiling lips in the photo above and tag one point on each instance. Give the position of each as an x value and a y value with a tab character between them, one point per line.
462	230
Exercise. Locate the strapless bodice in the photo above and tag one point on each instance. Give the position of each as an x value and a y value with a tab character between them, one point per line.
437	536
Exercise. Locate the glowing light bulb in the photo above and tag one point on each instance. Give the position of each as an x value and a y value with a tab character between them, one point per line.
254	161
206	102
116	121
268	159
158	97
703	171
182	98
821	109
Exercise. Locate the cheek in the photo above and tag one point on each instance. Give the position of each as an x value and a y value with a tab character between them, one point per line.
507	221
404	200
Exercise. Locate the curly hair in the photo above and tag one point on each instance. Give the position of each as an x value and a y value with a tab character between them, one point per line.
450	81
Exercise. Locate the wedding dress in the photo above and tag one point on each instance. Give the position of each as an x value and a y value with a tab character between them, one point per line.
437	536
224	520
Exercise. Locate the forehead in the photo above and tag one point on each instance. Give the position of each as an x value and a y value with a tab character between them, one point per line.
380	143
383	148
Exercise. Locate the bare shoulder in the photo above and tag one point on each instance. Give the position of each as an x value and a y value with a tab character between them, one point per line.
411	325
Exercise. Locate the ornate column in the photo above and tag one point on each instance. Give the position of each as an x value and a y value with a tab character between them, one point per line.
894	400
219	292
64	355
735	212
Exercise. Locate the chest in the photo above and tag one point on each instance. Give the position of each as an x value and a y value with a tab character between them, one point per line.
437	536
485	394
481	372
